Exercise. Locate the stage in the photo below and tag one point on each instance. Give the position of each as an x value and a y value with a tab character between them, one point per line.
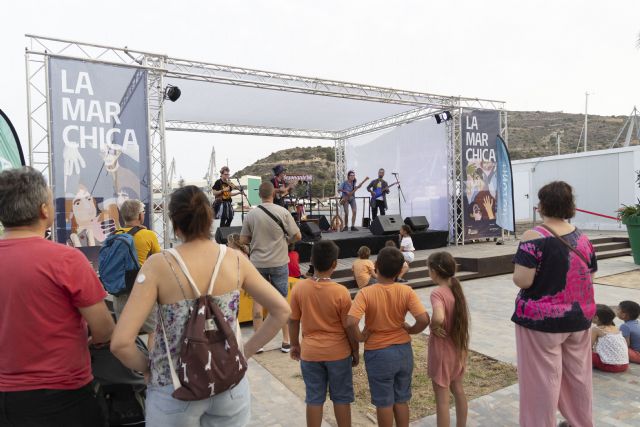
350	241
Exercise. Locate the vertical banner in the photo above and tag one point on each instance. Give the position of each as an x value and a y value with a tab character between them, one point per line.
99	147
10	150
479	181
505	214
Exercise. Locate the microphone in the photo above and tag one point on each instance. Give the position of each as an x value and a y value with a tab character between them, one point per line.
394	173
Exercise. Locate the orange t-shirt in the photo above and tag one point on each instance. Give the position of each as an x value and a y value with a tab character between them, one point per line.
362	270
322	308
384	308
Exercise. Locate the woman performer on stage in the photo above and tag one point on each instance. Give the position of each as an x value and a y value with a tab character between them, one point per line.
347	191
223	206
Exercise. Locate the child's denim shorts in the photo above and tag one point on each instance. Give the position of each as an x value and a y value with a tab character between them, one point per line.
337	374
389	371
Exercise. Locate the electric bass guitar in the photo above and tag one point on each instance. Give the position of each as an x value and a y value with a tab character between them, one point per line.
346	197
377	192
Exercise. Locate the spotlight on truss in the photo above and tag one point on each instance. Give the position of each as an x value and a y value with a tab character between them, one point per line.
443	117
172	93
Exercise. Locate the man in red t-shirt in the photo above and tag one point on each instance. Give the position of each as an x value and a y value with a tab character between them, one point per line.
48	296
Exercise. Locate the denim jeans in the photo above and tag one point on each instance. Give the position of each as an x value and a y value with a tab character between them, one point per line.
230	409
278	277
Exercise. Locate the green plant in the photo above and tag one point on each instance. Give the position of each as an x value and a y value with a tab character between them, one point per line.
627	211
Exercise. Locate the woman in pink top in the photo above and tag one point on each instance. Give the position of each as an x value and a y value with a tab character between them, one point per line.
449	338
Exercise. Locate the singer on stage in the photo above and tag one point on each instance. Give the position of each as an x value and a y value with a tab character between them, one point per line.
379	188
223	205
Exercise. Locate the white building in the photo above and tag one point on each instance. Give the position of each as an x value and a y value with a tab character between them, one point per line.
603	180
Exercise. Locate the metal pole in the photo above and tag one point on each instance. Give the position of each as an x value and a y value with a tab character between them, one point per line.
586	120
29	131
558	141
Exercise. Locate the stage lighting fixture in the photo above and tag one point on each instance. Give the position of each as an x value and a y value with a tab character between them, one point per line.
443	117
172	93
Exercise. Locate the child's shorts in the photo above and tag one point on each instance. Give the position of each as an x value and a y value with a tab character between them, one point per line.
337	374
389	370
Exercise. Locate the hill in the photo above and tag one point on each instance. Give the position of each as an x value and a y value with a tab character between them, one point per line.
317	161
531	134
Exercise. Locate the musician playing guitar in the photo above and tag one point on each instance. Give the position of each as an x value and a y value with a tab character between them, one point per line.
280	184
347	191
379	188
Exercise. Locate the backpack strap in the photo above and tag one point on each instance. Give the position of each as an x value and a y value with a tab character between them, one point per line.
134	230
185	270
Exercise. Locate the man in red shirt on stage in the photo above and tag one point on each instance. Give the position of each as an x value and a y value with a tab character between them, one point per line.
48	295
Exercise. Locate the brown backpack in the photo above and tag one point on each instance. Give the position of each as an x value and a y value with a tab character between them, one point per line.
210	361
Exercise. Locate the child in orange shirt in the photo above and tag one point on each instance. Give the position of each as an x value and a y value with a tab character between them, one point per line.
327	354
363	268
449	339
388	356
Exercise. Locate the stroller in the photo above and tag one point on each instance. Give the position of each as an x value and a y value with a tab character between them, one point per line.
121	392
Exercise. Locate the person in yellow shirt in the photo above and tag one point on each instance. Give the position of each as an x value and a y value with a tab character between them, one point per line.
363	269
146	243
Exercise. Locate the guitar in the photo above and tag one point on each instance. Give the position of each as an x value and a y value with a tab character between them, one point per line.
377	192
345	197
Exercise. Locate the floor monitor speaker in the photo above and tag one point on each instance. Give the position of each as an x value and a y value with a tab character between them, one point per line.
386	224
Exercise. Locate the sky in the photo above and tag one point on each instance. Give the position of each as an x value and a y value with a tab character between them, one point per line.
535	55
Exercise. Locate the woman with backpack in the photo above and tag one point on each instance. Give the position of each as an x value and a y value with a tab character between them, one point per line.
196	367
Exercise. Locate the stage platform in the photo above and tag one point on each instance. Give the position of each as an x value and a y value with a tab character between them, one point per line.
350	241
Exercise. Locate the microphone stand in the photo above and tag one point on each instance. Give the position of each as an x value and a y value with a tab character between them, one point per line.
242	200
395	175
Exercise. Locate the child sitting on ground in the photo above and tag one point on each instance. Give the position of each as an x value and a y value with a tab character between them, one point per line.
294	262
363	268
449	339
628	312
610	352
326	354
405	265
388	355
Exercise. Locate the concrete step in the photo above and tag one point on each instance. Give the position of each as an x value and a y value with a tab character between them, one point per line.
609	239
610	246
613	253
423	282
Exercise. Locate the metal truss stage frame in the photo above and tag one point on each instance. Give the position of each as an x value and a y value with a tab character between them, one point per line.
160	67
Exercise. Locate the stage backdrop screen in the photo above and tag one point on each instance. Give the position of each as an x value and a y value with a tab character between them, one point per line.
479	132
417	151
99	147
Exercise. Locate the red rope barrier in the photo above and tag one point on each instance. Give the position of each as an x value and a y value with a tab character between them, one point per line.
597	214
591	213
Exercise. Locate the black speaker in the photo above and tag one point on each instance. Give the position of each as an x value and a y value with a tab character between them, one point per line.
223	232
386	224
417	223
323	222
310	232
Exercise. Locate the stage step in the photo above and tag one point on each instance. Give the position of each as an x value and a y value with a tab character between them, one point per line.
422	282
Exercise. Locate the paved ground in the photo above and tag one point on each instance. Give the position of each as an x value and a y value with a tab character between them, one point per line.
491	303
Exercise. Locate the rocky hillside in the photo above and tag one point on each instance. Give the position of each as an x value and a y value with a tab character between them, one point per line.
316	161
533	133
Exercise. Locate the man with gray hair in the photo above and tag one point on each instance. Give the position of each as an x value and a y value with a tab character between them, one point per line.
146	243
268	230
48	296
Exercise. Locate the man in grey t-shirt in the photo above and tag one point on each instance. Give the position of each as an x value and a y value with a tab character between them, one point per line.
269	248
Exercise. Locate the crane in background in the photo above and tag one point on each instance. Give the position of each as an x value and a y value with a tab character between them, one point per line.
632	121
212	171
171	174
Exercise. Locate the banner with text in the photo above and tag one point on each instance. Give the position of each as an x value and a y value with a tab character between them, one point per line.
505	214
479	130
99	147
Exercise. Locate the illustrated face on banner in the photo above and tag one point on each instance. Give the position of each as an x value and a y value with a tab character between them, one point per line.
99	140
479	129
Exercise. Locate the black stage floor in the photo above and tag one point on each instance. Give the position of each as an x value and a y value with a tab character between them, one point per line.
350	241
